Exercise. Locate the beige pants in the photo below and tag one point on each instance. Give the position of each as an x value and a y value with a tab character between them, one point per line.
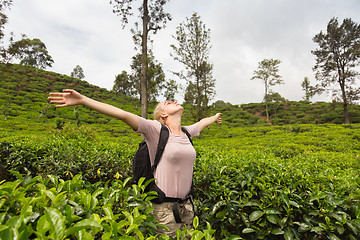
164	214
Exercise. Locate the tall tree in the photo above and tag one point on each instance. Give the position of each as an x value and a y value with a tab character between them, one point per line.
31	52
4	4
155	77
308	89
171	89
3	18
192	50
268	72
123	85
337	58
78	72
153	18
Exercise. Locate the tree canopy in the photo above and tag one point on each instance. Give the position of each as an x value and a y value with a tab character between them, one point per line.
153	18
30	52
78	72
268	72
192	49
337	57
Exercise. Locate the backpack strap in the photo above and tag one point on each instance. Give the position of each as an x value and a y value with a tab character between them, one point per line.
187	134
163	138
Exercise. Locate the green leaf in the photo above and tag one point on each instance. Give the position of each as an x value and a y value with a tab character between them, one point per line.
303	227
53	179
93	203
86	199
57	222
272	211
333	237
353	227
131	228
83	224
277	231
274	219
217	206
50	195
340	230
248	230
17	174
3	227
196	222
14	222
288	235
126	181
2	202
318	230
295	204
2	217
256	215
108	211
233	237
43	225
84	235
285	199
98	192
221	214
252	203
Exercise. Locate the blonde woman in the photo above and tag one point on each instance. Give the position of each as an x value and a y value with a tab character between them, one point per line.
175	171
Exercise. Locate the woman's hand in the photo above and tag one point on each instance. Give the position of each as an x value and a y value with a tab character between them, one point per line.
218	118
68	97
205	122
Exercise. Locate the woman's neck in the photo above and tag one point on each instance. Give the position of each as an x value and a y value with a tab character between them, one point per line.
174	125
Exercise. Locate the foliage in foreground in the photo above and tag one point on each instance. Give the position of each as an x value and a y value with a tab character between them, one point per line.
279	182
51	208
292	182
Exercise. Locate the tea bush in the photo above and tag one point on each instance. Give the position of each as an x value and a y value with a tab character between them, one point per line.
292	182
51	208
270	182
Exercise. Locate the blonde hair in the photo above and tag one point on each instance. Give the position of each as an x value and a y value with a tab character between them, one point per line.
157	113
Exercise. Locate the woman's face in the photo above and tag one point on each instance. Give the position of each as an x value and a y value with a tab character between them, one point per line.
170	107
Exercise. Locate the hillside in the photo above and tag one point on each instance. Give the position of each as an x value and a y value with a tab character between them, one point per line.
24	91
23	100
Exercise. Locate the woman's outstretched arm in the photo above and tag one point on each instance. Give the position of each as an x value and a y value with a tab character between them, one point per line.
71	97
205	122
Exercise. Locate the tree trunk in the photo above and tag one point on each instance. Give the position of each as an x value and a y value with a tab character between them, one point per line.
143	80
345	102
346	113
198	99
266	103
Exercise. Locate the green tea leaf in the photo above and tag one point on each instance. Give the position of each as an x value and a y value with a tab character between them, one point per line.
83	224
248	230
3	227
196	222
57	222
256	215
277	231
288	235
274	219
333	237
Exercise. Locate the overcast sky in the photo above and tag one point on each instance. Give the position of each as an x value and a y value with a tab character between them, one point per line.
243	33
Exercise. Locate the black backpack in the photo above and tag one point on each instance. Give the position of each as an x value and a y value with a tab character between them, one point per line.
142	165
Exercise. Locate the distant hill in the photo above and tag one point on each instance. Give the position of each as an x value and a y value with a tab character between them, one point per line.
24	91
23	99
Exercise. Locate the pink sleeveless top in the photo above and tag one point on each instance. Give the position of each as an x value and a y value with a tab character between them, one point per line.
175	171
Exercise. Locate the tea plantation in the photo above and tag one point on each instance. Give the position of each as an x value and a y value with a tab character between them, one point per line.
67	172
280	182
